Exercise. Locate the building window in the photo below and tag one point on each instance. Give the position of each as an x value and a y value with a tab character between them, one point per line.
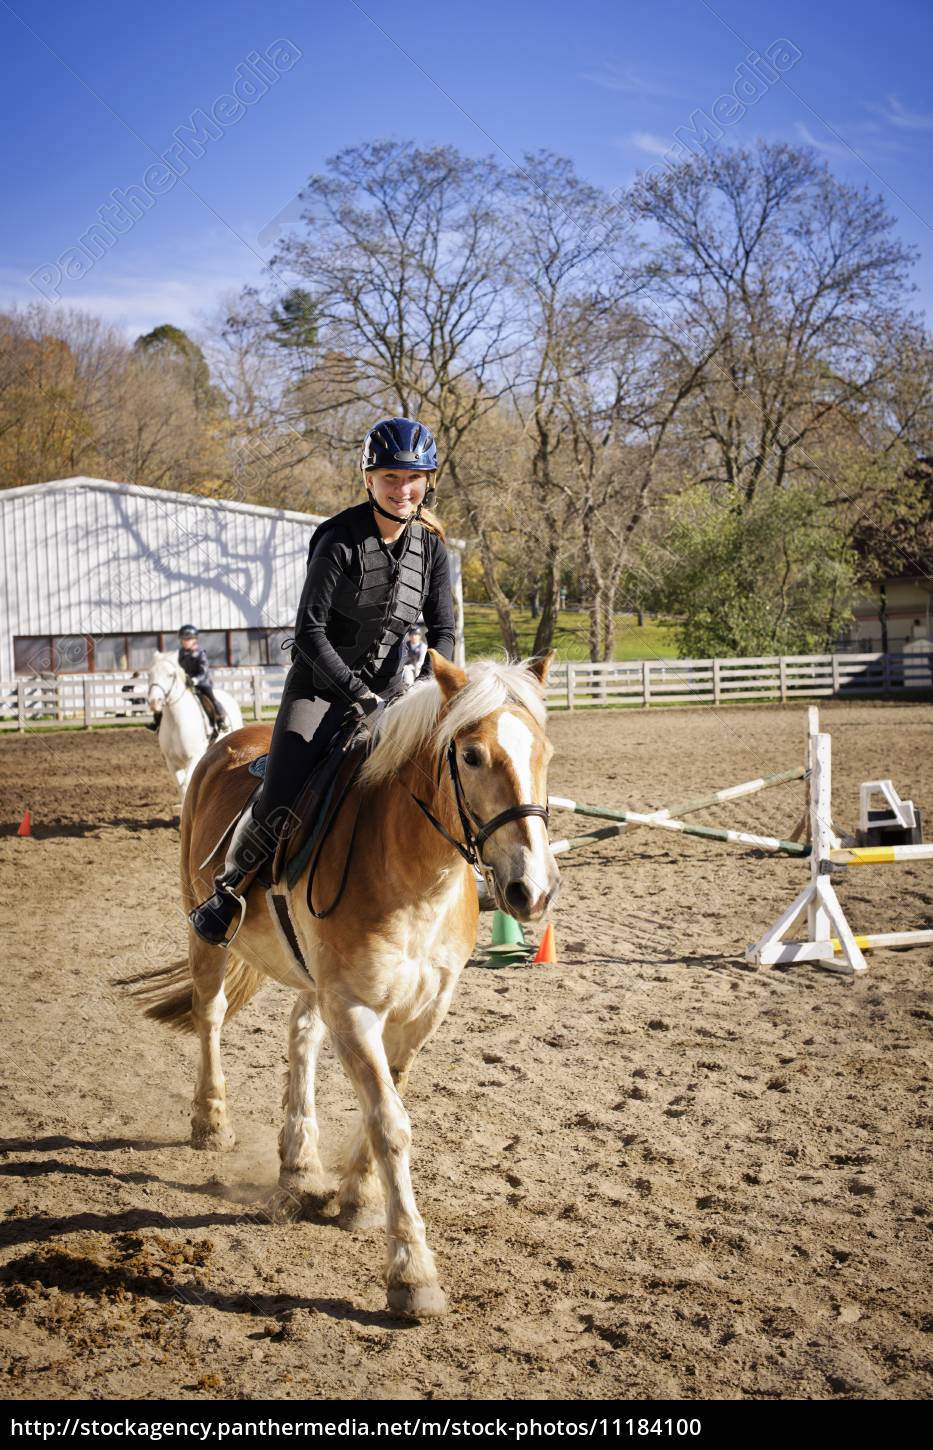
141	649
214	644
32	655
72	654
78	653
110	652
258	646
239	647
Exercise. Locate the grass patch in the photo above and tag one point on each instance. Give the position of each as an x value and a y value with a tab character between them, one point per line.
652	640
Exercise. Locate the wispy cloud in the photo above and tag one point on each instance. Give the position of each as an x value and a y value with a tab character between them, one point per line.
654	145
135	302
897	114
612	77
836	149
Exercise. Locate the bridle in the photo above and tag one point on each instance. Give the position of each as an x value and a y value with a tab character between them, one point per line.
182	679
475	832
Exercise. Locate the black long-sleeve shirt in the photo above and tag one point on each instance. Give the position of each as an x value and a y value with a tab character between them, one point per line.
333	554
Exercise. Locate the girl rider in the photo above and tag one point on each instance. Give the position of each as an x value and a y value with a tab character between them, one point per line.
193	661
373	570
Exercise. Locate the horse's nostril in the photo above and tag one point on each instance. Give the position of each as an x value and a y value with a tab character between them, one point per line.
518	896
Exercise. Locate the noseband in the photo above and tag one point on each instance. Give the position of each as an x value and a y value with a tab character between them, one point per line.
168	692
475	833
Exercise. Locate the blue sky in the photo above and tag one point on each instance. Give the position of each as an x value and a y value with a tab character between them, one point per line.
93	95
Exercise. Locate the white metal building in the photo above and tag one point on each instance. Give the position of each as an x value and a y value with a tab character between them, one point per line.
97	575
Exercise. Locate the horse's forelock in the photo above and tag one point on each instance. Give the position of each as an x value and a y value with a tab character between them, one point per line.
162	659
417	718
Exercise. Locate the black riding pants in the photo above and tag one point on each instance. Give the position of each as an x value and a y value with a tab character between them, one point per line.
208	692
304	728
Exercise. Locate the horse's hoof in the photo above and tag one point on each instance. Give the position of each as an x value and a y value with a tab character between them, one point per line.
298	1196
311	1189
357	1217
283	1206
208	1137
417	1301
306	1182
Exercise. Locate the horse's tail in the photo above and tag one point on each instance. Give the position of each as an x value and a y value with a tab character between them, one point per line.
167	991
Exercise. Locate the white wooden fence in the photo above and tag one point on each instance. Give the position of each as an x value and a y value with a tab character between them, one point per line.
714	682
100	699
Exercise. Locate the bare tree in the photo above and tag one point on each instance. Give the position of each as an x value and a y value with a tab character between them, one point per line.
403	264
570	263
784	277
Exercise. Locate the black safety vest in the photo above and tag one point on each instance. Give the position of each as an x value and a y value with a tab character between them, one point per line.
194	662
369	617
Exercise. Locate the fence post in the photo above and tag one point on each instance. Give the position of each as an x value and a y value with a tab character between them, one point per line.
886	673
21	704
646	683
782	671
717	682
570	684
88	703
257	693
837	684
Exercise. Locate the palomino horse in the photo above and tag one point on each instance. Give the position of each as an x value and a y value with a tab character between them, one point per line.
384	963
184	733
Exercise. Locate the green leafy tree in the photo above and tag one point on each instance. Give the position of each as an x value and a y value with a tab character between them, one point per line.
294	321
180	352
774	578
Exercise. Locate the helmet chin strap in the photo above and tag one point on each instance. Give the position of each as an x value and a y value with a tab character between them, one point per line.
428	495
385	512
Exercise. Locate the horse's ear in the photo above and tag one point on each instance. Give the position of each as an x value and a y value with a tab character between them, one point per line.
449	676
540	666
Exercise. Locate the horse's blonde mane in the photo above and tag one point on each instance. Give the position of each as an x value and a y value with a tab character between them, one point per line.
413	722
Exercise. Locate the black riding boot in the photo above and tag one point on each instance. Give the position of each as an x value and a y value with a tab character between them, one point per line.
156	721
250	845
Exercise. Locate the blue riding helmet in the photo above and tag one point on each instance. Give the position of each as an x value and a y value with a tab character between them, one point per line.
187	631
401	443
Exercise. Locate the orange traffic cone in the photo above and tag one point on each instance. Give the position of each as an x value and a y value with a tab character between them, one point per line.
547	951
25	825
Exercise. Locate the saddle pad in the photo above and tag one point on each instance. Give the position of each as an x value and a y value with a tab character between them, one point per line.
325	794
257	767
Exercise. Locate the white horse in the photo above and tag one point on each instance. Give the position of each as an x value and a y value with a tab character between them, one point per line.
184	733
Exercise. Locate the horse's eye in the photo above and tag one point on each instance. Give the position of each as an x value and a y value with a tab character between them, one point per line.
472	757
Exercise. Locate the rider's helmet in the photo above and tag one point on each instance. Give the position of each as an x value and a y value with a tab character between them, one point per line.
187	631
402	443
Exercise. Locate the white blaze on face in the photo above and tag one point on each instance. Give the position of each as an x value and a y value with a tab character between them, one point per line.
517	741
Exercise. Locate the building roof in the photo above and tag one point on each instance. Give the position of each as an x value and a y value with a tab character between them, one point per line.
159	495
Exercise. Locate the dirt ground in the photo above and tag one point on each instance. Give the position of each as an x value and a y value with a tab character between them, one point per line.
648	1171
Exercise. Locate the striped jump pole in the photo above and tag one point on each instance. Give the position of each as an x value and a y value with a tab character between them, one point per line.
730	793
683	808
889	939
664	823
879	855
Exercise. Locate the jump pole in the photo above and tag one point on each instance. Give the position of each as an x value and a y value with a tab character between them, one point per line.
665	823
730	793
682	808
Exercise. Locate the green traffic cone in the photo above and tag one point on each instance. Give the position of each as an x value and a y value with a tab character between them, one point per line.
500	958
506	931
